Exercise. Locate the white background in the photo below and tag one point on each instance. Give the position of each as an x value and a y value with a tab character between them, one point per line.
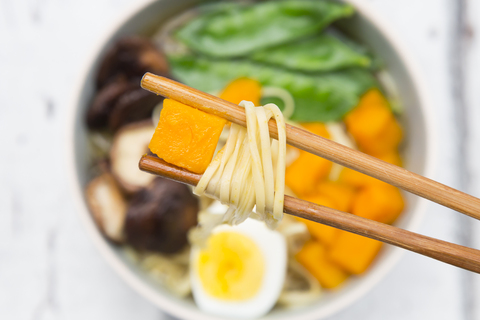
49	269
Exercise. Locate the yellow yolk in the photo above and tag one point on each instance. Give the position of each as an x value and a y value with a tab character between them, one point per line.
231	266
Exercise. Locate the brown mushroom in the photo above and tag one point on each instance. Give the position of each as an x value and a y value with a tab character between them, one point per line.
133	106
159	217
100	109
129	144
130	57
108	206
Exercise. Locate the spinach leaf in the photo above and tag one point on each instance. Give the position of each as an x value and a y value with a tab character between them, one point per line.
318	97
238	29
320	53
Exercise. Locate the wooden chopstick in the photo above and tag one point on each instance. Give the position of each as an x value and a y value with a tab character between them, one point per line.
322	147
454	254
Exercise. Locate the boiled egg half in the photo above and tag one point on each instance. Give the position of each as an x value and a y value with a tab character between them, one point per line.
240	271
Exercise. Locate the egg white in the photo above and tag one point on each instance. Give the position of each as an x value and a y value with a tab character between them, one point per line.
274	251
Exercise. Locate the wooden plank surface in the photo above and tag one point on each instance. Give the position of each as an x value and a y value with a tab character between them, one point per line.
49	269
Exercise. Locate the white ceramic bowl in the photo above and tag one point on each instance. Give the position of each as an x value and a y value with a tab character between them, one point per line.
367	27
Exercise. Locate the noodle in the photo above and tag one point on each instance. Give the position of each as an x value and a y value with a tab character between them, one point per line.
249	171
284	95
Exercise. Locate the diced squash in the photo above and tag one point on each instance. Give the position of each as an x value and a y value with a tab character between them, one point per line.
356	179
374	96
242	89
341	194
379	202
313	256
369	117
353	253
392	157
303	175
186	137
316	127
386	141
318	231
373	125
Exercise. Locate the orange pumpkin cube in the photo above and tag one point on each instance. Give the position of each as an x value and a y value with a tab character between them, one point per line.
392	157
341	194
323	233
353	253
303	175
386	141
185	136
242	89
373	125
379	202
313	256
316	127
356	179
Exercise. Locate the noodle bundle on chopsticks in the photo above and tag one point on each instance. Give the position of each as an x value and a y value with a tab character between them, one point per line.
250	169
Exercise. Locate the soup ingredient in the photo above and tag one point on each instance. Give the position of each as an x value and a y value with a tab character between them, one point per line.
185	136
242	89
119	99
104	102
275	95
231	267
392	157
356	179
250	169
373	125
320	232
300	288
108	206
321	53
238	29
341	194
379	202
320	97
304	174
133	106
314	258
240	272
170	270
353	253
160	216
129	144
130	58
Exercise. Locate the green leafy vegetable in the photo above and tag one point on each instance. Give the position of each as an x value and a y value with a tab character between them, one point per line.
318	97
238	29
321	53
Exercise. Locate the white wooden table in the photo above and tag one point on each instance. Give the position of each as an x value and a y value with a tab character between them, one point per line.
49	269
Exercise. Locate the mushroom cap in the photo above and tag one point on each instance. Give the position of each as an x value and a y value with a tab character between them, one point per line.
129	144
159	217
108	206
131	57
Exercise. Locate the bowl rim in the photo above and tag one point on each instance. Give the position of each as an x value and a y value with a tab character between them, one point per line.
160	300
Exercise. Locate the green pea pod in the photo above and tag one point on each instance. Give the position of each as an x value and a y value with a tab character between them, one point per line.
318	54
318	97
238	29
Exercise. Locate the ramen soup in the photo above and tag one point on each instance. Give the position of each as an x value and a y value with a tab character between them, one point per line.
226	242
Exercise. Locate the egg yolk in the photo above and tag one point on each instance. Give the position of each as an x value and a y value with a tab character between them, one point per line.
231	266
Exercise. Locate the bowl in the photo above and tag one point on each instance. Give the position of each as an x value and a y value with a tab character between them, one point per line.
366	27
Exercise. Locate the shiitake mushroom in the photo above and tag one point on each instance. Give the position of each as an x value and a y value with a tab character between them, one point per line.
129	144
159	217
132	106
108	206
98	113
131	57
119	99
